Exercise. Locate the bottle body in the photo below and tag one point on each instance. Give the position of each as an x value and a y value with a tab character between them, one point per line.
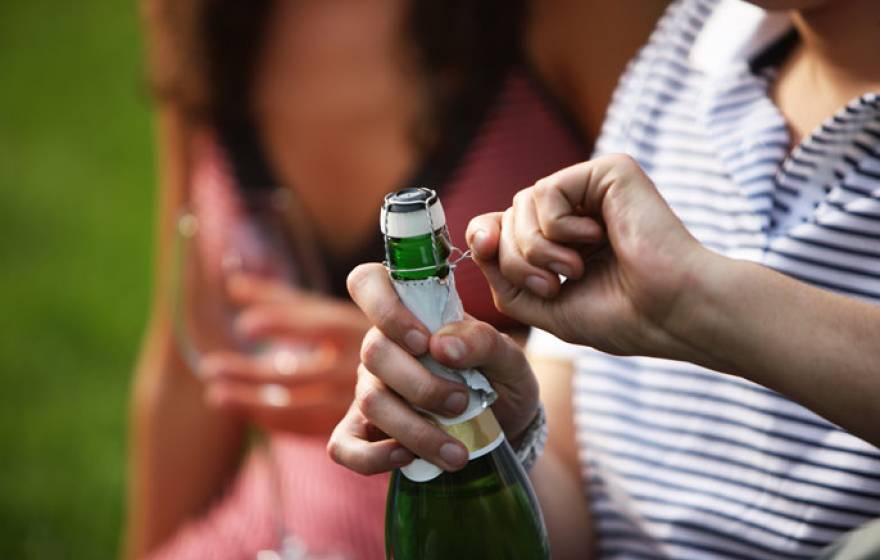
485	511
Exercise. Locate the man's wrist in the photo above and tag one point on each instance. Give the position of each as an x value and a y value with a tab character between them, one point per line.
530	444
697	325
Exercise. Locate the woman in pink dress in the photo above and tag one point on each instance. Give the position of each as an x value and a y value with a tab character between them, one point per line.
334	104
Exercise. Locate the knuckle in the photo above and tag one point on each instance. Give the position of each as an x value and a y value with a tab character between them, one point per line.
368	397
372	347
530	248
385	315
503	340
621	164
521	196
423	436
478	334
336	447
425	392
491	339
544	185
362	374
547	188
508	265
336	451
368	400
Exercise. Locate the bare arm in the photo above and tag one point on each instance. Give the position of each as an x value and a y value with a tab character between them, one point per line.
647	287
581	47
819	348
181	452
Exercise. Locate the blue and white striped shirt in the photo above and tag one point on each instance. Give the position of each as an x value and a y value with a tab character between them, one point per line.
679	461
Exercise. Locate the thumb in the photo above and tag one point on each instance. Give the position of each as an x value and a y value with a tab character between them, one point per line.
484	235
521	304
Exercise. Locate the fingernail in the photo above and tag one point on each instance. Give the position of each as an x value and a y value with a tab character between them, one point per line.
479	237
453	454
538	285
416	341
455	403
400	457
452	347
561	269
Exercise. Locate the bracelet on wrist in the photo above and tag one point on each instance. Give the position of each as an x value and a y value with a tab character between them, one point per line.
532	443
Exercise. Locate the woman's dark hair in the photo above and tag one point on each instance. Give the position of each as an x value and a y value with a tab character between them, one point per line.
204	52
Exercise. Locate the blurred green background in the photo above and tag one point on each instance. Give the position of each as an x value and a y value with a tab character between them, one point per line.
76	208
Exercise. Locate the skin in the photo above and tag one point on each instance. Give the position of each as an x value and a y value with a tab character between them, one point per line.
168	411
189	434
337	127
639	284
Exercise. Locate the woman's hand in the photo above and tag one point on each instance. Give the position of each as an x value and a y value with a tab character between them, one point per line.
303	378
602	224
381	431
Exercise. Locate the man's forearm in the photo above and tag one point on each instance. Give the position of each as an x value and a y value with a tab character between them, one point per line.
816	347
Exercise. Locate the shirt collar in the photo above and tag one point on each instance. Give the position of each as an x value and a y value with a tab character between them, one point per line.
735	32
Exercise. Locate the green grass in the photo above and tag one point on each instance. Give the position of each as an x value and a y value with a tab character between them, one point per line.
76	208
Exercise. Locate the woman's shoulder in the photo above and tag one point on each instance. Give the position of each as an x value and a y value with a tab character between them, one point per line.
581	47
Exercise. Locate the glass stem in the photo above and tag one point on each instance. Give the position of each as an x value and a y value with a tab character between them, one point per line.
263	441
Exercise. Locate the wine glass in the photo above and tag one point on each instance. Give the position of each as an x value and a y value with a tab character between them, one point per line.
252	232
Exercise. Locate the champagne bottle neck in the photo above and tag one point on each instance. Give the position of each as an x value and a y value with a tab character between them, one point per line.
419	257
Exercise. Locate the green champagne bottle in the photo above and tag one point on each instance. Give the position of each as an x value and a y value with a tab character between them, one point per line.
487	510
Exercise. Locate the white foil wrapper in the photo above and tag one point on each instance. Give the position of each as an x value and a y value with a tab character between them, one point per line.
435	303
